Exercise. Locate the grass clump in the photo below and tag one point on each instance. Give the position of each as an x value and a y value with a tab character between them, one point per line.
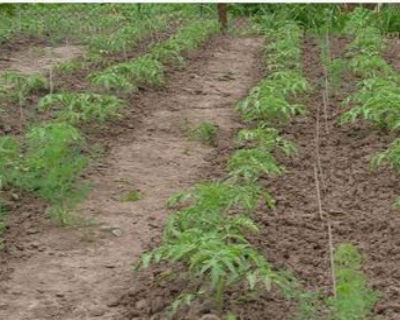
3	214
53	160
9	157
48	165
17	86
205	132
354	300
81	107
132	196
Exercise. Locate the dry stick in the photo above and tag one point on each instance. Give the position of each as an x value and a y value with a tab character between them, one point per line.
331	253
317	150
321	215
326	99
51	80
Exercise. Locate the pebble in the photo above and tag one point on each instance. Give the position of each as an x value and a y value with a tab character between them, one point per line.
141	304
97	312
116	232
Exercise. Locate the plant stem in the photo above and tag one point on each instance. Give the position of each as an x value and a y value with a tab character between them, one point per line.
220	296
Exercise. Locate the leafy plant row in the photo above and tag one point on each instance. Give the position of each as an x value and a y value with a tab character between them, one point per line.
126	76
149	69
51	156
377	99
105	29
208	232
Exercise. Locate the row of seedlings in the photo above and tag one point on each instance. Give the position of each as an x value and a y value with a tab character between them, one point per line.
52	155
377	98
126	77
207	232
353	298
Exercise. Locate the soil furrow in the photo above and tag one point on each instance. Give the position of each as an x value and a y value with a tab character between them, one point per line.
356	200
80	274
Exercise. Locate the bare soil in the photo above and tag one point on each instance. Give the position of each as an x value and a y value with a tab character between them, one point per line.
40	59
82	273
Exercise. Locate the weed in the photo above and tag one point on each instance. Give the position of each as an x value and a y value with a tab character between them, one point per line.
71	66
3	214
17	86
49	165
9	158
132	196
53	160
205	132
336	69
354	300
81	107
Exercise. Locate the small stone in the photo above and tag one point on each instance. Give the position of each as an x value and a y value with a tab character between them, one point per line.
14	196
35	245
32	231
116	232
113	303
157	304
7	129
60	295
97	312
141	304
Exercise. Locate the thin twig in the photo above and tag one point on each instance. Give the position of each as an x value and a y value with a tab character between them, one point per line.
325	98
331	253
51	86
317	156
318	192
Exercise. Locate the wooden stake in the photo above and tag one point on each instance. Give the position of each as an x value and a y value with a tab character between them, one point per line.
223	20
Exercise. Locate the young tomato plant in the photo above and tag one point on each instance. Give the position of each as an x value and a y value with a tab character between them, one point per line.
81	107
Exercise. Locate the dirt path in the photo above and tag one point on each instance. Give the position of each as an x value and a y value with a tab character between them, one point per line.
80	275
